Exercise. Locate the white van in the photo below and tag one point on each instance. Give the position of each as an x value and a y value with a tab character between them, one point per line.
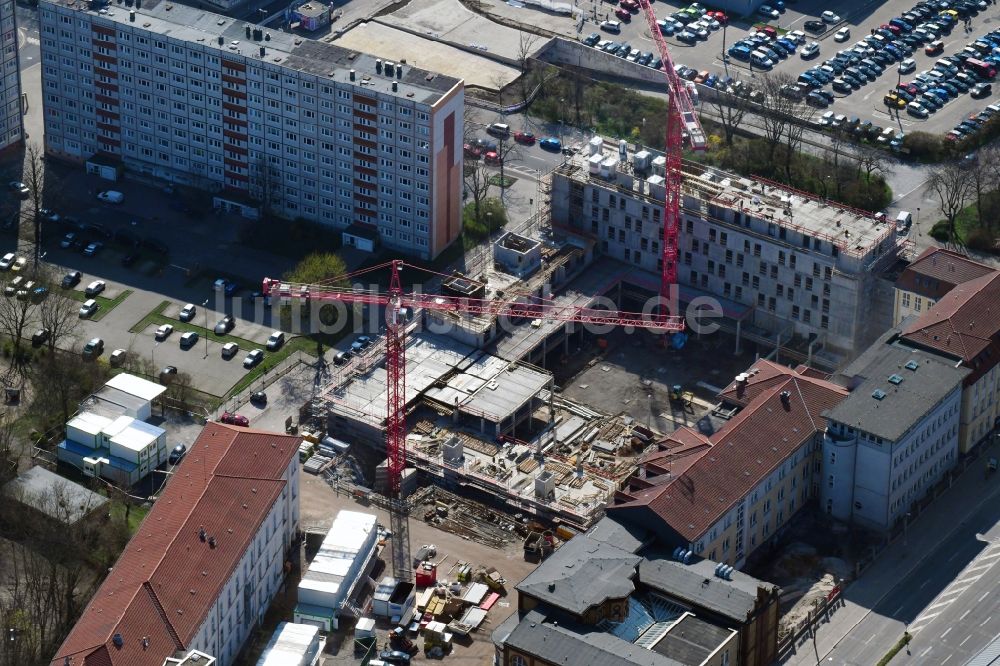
903	222
499	130
111	196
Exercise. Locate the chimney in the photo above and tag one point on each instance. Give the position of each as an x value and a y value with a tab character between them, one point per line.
399	71
741	384
786	400
378	65
131	16
263	51
395	87
249	30
352	75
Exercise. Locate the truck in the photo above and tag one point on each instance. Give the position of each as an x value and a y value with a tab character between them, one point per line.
538	546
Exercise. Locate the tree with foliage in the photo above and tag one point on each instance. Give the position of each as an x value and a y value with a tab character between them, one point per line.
317	268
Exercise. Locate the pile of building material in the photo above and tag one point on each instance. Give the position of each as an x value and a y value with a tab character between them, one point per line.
317	464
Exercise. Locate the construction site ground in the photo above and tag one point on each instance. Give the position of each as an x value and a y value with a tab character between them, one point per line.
319	504
634	373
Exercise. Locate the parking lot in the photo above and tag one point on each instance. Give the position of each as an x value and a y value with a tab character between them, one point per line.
707	54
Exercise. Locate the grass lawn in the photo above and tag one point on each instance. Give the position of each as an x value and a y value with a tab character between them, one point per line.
507	181
135	514
105	305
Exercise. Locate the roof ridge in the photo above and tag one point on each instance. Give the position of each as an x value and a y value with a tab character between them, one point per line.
163	614
805	405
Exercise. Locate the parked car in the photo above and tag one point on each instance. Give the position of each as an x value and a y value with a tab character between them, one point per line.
225	325
68	241
768	12
40	337
814	25
526	138
111	196
981	90
19	263
258	398
342	357
253	358
274	342
88	308
551	144
908	65
14	285
187	312
20	189
229	350
117	358
189	339
95	288
232	418
177	454
48	215
613	27
623	14
842	35
810	50
71	279
92	248
163	331
592	39
7	261
93	348
830	17
167	374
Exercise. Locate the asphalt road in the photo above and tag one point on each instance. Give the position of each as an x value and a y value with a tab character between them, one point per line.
949	602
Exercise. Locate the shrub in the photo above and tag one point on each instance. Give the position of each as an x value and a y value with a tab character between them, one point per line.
982	239
925	146
940	232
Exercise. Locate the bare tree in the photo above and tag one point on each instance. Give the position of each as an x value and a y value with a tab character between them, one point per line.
777	110
730	106
67	378
984	180
525	48
34	173
59	315
15	318
793	136
871	160
265	184
951	185
11	449
477	185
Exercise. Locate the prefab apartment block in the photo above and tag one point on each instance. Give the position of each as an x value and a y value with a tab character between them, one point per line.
266	120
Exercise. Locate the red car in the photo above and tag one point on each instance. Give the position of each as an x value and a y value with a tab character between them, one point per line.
472	151
493	158
909	88
527	138
630	5
232	418
623	14
719	16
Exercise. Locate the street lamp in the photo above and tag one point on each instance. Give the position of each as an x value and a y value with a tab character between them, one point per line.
205	307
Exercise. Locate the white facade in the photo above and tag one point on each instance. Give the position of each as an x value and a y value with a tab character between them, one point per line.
873	481
11	126
306	129
245	597
798	265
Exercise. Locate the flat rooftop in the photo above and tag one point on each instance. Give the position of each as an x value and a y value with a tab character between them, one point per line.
853	231
473	380
227	36
692	640
55	496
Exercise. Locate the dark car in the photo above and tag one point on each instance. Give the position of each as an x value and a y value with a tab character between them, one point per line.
814	25
342	357
225	325
258	398
130	259
167	374
177	454
71	279
395	657
40	337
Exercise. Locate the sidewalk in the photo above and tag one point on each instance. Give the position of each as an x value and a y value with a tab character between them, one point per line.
895	564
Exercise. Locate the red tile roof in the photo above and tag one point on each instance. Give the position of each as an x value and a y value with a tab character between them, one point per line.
965	324
167	579
756	440
937	271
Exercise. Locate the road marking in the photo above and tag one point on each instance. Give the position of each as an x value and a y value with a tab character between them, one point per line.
925	583
985	594
926	651
946	660
965	641
957	553
986	620
925	618
958	591
946	632
964	614
937	605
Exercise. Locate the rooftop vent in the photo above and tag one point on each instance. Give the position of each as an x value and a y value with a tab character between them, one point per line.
786	399
352	75
118	641
895	379
878	394
395	87
912	365
211	542
378	65
201	535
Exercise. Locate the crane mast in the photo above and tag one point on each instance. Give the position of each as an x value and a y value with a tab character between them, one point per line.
681	119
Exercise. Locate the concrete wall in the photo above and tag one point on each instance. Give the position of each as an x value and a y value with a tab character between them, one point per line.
559	51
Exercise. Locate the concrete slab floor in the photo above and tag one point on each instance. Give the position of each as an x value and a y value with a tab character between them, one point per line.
634	367
393	44
319	505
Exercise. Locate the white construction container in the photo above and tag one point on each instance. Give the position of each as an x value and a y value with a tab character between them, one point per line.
609	167
85	428
660	165
292	645
594	145
641	160
595	163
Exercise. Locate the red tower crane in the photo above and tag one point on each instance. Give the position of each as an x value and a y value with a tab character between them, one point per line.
395	351
681	119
